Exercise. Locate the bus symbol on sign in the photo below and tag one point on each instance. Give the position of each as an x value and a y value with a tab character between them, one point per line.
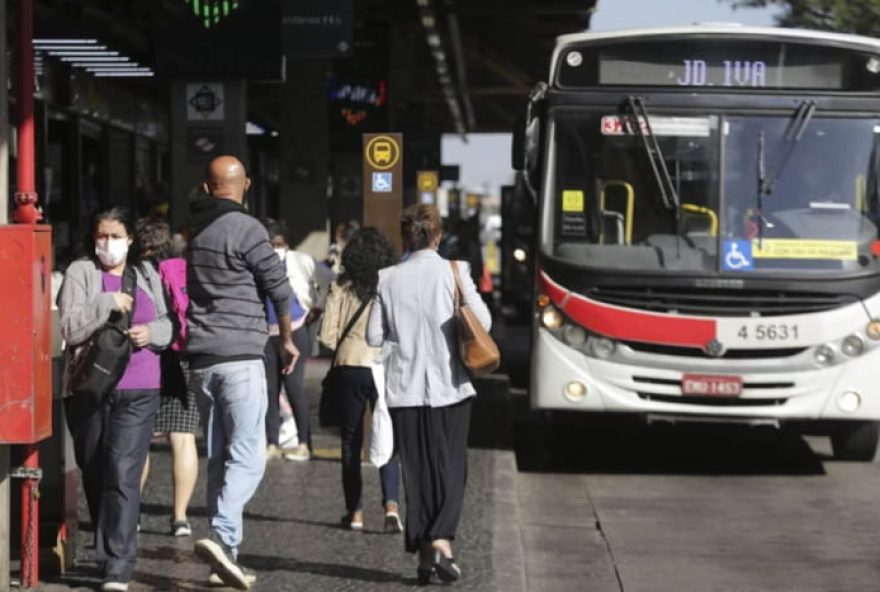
382	152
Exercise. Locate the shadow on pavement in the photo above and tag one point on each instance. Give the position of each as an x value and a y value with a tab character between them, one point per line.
265	563
574	443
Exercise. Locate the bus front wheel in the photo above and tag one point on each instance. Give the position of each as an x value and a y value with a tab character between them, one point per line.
855	440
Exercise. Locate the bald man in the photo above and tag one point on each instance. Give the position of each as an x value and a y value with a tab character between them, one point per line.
230	268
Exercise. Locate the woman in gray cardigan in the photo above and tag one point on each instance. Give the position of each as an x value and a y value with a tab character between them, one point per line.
111	434
427	387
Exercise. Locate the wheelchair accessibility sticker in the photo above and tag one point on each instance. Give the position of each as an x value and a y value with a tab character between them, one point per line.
737	256
382	182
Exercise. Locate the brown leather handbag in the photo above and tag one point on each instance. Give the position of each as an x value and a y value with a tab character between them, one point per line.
478	351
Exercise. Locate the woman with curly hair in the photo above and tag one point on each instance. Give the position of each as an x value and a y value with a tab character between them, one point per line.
348	307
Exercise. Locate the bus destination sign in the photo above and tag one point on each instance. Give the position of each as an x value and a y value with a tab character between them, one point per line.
708	64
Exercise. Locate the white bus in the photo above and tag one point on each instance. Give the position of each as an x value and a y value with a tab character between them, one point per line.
707	243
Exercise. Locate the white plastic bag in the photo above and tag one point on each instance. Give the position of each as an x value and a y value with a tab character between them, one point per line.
288	437
382	437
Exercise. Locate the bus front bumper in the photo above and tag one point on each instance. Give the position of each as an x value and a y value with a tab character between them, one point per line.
565	378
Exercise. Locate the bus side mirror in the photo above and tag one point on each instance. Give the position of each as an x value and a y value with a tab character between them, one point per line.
518	147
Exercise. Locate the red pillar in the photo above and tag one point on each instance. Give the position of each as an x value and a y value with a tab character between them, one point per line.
26	212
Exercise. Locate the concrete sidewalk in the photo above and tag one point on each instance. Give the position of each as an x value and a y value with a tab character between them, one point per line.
292	537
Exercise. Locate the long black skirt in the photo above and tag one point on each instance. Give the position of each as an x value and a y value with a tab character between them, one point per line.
432	443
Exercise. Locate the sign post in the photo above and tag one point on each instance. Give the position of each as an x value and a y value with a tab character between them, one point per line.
383	184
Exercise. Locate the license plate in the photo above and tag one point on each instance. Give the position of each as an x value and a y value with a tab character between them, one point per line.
711	386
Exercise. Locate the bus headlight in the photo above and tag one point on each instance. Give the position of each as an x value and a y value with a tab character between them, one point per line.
849	401
551	318
602	347
872	330
823	355
573	335
853	345
575	391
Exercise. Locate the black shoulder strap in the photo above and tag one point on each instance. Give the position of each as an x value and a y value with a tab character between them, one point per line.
348	328
129	286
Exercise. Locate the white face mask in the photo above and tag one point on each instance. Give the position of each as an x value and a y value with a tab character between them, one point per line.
113	252
282	253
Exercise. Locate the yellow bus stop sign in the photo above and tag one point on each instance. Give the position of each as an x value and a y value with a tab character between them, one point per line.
382	152
427	180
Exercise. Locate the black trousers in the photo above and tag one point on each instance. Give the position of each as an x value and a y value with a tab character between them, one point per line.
432	444
357	390
294	386
111	439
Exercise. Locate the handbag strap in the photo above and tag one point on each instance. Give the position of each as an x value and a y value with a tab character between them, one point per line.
129	286
347	329
458	290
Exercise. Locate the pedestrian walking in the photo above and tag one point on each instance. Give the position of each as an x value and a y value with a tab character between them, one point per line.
111	432
428	389
230	266
343	329
310	282
178	416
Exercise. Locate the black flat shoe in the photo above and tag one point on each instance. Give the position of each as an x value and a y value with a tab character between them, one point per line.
446	568
423	575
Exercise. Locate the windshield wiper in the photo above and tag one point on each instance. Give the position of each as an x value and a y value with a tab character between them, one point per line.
793	134
668	193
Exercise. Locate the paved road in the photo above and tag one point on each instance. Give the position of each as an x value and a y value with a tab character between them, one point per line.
580	506
694	508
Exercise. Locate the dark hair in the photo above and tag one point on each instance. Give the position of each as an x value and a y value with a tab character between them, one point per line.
114	214
346	230
364	255
276	228
154	235
420	225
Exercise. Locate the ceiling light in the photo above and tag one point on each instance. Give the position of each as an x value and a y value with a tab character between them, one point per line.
70	47
65	41
83	59
94	54
123	74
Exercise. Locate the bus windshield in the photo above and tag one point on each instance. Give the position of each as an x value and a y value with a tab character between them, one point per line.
714	193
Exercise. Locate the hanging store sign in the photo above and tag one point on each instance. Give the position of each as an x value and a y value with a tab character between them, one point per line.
204	102
317	28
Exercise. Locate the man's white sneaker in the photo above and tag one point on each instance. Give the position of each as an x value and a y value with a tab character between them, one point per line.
249	574
215	553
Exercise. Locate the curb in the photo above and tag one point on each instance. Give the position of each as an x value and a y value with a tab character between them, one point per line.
508	558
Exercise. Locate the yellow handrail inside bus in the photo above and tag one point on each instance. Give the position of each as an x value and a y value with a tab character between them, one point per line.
630	205
708	212
861	193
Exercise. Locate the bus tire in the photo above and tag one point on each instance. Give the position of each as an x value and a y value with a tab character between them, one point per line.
855	440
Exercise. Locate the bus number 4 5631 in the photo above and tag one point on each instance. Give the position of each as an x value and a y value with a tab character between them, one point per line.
768	332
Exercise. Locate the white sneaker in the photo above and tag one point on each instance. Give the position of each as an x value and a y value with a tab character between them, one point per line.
300	453
219	557
392	522
114	587
249	574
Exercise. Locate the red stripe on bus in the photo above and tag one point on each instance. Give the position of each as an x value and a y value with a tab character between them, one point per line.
628	325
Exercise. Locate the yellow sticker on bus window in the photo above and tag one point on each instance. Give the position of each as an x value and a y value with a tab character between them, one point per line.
572	200
783	248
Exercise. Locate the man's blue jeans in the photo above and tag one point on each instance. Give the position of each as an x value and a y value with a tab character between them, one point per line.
232	404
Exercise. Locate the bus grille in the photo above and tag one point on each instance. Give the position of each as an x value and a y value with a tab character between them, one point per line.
713	401
695	352
645	384
718	302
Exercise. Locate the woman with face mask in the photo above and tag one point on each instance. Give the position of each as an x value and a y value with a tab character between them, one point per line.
111	434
